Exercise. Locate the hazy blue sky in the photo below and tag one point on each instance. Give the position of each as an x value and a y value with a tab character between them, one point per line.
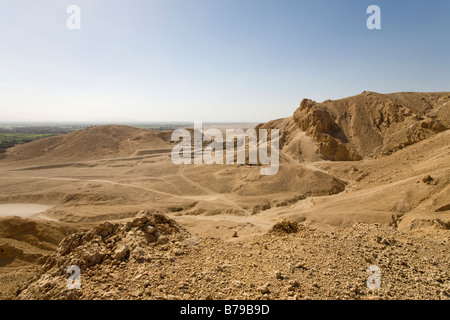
211	60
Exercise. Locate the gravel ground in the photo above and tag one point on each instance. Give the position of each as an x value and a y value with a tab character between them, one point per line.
155	258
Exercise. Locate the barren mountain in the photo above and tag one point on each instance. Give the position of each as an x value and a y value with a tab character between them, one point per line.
365	125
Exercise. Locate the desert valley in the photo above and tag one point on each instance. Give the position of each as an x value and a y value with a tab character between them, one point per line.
362	181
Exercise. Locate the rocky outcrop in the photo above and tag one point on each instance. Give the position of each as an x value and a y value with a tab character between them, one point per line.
105	246
366	125
319	124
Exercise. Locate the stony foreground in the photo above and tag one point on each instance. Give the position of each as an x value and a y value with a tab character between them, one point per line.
153	257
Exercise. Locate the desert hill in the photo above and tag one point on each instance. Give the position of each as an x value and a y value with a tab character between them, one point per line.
411	186
110	167
107	141
366	125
